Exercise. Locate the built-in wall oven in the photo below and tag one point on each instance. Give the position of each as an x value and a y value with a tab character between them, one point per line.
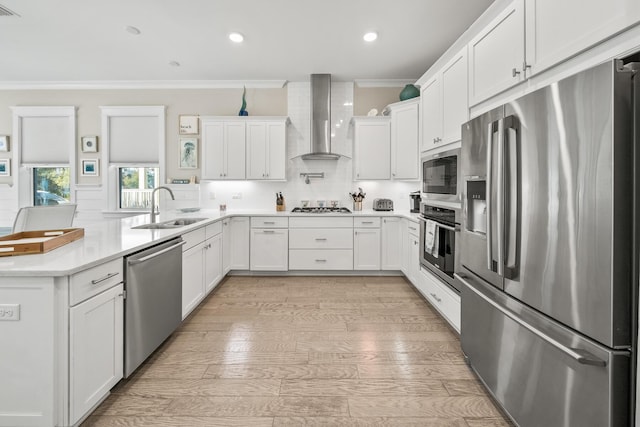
441	176
439	230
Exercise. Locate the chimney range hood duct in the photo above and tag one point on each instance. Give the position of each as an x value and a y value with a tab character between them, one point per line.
320	119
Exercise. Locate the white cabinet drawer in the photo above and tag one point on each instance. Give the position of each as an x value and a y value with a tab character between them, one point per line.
319	259
269	222
368	222
92	281
194	237
324	222
413	228
213	229
442	298
320	238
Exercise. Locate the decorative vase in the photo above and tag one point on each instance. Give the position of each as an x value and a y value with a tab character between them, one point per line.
243	110
357	206
409	91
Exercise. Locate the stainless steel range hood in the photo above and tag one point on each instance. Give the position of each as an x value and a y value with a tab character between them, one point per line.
320	119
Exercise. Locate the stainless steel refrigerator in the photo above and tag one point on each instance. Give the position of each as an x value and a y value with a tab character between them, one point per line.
548	250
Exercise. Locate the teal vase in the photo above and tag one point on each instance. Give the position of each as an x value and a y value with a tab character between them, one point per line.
409	91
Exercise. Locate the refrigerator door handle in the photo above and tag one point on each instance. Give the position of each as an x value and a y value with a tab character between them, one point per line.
511	188
579	355
500	197
488	196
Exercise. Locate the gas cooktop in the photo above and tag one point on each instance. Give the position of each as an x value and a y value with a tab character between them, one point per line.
320	210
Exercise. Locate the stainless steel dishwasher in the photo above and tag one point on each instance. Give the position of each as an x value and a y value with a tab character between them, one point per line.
153	303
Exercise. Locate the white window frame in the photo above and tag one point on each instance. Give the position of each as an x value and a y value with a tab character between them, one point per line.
23	173
110	170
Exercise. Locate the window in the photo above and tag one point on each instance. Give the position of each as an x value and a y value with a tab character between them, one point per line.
51	186
135	185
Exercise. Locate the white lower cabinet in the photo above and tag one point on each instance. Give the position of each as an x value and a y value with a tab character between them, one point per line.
269	249
442	298
321	259
391	244
235	253
201	264
95	349
366	249
413	268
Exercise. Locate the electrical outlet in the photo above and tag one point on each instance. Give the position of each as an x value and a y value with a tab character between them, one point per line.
212	195
9	311
237	196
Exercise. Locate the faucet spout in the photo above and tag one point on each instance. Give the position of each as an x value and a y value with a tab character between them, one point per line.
153	201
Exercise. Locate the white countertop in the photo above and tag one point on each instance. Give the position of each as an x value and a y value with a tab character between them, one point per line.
115	238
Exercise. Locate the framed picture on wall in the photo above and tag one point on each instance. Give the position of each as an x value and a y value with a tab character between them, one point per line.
4	142
188	125
89	144
188	153
90	168
5	167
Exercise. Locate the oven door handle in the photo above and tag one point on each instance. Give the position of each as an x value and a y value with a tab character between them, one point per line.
446	227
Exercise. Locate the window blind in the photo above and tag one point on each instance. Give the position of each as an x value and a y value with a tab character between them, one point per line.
46	140
134	139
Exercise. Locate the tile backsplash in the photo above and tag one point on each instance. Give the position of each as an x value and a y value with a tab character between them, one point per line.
338	175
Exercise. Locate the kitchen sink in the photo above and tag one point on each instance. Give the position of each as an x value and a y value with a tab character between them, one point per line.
174	223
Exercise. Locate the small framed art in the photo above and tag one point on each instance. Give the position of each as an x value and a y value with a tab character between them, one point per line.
5	167
89	144
90	168
188	125
4	142
188	153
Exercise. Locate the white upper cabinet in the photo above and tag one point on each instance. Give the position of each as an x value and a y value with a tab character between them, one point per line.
243	148
404	139
556	30
266	144
223	149
445	104
372	148
496	54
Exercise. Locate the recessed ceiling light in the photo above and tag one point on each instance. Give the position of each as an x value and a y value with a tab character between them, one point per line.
236	37
133	30
174	63
369	37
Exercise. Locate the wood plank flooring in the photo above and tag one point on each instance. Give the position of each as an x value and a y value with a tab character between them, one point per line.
305	351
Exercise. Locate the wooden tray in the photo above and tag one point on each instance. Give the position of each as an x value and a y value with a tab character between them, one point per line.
37	242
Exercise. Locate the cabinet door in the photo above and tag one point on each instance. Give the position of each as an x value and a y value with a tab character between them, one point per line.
404	142
239	248
366	249
496	54
212	262
431	111
96	349
234	138
257	150
455	104
276	156
372	149
226	246
404	255
269	249
213	166
414	259
192	278
557	30
391	246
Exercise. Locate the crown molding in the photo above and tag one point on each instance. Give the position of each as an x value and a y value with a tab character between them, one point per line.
383	82
141	84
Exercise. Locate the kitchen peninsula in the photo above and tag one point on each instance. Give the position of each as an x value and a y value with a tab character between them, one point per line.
67	304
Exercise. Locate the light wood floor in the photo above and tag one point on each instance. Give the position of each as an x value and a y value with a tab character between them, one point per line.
305	351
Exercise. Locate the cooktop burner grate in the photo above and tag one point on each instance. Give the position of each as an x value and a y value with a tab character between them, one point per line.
320	210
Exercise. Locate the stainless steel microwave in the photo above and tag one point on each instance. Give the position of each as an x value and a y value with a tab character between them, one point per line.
441	176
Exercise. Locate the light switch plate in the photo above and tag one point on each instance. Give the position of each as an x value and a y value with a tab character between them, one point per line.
9	311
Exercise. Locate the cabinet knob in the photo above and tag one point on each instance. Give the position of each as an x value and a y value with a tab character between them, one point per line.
514	72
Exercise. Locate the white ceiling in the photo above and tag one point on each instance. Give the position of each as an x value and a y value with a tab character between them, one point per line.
85	40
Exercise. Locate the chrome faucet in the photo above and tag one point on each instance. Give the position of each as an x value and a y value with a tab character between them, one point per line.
153	202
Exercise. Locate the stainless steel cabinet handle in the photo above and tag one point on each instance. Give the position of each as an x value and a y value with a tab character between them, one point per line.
321	260
579	355
435	297
514	72
102	279
268	231
367	222
148	257
413	228
321	239
268	222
